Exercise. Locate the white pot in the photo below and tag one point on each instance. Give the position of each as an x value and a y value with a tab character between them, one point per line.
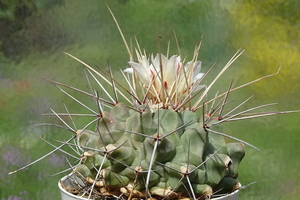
68	183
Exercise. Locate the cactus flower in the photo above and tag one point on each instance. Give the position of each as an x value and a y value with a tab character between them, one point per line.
165	80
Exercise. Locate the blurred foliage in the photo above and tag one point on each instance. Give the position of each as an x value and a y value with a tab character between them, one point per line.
22	25
269	31
33	33
16	10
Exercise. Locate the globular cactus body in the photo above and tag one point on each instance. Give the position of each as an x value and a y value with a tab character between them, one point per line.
173	148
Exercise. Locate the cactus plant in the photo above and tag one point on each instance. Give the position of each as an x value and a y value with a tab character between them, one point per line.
164	139
158	153
158	145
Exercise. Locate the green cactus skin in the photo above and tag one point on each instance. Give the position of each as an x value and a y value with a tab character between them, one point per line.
188	160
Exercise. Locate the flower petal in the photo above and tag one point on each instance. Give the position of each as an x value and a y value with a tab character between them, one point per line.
129	70
197	77
170	70
142	72
197	67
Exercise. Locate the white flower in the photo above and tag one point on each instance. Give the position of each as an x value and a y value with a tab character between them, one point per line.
166	81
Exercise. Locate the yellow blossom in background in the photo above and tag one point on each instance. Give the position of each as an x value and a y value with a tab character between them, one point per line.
269	32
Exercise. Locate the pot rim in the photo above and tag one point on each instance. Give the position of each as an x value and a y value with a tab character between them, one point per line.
63	190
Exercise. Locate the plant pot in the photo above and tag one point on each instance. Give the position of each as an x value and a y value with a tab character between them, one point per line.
67	183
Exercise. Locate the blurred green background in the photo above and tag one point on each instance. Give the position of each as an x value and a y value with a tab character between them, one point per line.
33	34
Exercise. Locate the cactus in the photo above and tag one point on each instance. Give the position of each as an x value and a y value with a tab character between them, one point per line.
158	153
159	145
164	139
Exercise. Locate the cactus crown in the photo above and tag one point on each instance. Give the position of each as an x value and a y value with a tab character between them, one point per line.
154	144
